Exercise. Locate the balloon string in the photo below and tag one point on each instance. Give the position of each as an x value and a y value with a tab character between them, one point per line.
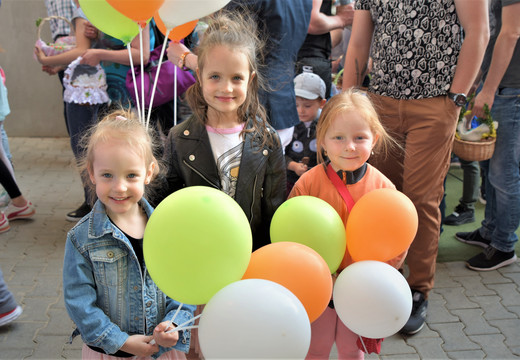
134	81
157	77
180	326
362	342
142	70
176	312
184	328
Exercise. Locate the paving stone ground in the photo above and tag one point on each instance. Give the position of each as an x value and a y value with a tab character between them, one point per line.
471	315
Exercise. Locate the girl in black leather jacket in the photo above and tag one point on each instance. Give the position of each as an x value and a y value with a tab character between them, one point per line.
227	143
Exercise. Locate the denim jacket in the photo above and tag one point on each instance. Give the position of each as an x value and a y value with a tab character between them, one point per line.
106	294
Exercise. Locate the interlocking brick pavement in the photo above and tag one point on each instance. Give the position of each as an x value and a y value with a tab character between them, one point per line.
471	315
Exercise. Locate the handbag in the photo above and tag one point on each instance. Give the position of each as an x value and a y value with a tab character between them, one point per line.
164	91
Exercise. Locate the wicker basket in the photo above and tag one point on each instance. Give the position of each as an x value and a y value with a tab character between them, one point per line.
474	150
62	44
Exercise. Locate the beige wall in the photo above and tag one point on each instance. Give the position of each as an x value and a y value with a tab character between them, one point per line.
34	96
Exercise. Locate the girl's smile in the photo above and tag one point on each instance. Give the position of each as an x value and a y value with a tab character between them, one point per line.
348	141
224	80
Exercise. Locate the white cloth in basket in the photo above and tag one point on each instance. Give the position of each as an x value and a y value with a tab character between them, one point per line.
85	84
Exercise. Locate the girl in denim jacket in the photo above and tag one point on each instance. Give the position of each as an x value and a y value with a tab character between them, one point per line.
116	306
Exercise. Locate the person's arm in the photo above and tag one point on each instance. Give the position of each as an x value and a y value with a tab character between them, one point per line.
358	51
93	57
65	58
176	50
502	53
321	23
473	17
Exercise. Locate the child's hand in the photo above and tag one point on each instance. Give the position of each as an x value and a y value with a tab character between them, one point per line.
300	168
91	32
139	345
52	70
90	57
39	54
165	339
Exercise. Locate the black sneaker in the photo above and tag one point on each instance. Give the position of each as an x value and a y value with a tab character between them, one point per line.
78	214
461	215
472	238
491	259
418	316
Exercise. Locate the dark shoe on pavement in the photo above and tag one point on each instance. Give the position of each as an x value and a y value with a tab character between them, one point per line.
418	316
472	238
461	215
10	316
491	259
78	214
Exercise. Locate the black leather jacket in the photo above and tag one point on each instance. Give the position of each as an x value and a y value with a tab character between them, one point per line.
261	183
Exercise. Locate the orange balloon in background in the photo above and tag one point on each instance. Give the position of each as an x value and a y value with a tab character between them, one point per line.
298	268
178	32
137	10
381	225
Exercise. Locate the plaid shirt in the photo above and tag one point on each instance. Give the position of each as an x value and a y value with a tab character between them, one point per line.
59	8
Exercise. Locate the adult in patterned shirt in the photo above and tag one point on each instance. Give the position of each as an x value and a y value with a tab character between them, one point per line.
421	70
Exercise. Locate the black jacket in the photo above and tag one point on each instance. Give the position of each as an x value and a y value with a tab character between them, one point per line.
261	183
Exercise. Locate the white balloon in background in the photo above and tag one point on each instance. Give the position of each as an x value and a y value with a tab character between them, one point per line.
177	12
254	319
372	299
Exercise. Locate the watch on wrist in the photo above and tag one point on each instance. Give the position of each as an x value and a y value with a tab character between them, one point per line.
459	99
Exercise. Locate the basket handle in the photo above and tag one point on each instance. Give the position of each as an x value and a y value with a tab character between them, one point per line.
53	17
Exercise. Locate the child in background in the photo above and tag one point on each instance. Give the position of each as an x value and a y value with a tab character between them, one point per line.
347	133
227	143
108	292
300	154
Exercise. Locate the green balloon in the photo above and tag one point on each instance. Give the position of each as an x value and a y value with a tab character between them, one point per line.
197	241
110	21
313	222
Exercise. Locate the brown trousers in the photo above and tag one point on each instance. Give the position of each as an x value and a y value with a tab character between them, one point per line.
425	129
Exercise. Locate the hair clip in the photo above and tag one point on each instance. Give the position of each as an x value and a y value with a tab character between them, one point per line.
119	117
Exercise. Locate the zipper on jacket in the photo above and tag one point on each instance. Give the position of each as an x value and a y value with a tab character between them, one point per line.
253	201
200	174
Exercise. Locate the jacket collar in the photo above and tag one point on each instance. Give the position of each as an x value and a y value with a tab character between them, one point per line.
100	224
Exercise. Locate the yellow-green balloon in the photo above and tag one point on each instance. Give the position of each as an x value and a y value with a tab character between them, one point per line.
313	222
108	20
197	241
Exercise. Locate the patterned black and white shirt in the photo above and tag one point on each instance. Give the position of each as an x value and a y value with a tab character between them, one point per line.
415	47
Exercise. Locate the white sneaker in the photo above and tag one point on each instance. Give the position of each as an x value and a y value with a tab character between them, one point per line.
14	212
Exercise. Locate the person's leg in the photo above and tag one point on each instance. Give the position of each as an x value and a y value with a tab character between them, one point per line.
346	342
502	215
7	301
419	172
323	333
465	211
80	118
9	309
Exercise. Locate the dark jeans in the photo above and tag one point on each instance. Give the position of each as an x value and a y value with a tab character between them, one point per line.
79	119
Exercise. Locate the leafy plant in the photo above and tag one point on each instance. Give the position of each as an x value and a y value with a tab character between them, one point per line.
38	22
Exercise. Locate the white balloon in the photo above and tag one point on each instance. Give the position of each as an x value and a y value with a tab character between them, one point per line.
254	319
177	12
372	299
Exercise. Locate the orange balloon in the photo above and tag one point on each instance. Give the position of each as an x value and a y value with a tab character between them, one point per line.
298	268
137	10
381	225
178	32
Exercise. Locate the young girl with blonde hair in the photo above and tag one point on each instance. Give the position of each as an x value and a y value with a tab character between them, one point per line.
348	132
109	295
